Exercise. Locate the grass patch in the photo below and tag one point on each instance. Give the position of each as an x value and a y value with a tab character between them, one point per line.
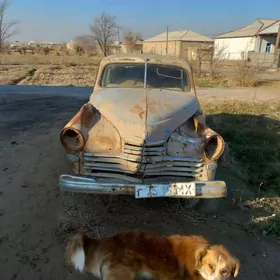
252	131
234	81
206	82
31	72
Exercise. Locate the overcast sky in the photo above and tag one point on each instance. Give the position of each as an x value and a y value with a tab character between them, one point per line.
61	20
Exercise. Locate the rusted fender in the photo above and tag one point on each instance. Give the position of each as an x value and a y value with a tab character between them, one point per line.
82	119
80	123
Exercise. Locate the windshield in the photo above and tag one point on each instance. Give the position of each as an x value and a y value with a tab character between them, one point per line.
131	75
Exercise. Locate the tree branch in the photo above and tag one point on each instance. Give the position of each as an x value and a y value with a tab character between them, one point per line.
8	29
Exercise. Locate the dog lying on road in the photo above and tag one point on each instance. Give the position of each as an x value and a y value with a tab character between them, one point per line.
142	255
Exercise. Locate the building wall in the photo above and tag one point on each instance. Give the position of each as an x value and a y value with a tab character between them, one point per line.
189	50
160	48
138	48
235	48
264	39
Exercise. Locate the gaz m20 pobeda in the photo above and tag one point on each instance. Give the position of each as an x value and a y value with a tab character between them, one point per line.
143	133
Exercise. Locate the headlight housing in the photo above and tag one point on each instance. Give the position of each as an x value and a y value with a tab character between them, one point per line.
72	139
214	146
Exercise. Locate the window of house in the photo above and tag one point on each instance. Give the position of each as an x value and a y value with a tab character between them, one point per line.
268	47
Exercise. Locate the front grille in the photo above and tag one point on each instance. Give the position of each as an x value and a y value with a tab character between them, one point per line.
138	162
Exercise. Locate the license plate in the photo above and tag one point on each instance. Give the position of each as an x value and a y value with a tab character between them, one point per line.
187	189
184	189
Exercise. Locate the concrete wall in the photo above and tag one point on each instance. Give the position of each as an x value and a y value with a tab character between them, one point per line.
264	39
189	50
160	48
264	59
235	48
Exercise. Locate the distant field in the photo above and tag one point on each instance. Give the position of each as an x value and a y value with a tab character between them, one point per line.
48	69
39	59
79	70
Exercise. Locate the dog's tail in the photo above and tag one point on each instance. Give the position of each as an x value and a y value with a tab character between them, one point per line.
76	250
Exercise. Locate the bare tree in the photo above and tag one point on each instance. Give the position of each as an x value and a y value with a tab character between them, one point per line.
131	39
85	44
217	60
103	30
7	29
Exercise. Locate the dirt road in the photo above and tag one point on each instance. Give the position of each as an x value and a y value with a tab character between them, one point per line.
35	218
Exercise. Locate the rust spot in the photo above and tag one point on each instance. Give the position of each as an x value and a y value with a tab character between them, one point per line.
138	110
214	144
106	141
153	106
196	124
75	119
127	59
83	117
127	191
86	114
72	139
158	60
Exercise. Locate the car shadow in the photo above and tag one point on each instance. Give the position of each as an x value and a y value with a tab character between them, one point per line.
250	165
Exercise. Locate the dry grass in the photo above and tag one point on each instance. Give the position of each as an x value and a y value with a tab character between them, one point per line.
48	69
252	132
207	82
63	75
13	74
235	81
51	59
14	68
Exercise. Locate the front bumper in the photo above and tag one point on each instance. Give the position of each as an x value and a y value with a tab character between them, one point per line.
194	189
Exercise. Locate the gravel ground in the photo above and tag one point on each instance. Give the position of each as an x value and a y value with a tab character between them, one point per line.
36	218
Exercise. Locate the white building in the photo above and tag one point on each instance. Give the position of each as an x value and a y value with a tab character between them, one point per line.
259	36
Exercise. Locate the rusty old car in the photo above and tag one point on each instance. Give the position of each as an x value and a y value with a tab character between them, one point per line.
143	133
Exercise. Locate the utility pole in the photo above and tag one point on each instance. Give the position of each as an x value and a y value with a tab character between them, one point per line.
277	43
166	39
118	34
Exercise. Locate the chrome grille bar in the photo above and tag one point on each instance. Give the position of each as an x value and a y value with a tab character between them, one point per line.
137	162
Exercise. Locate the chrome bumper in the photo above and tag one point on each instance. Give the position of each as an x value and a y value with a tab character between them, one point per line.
194	189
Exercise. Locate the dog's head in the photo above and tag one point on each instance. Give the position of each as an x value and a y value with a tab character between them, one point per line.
216	263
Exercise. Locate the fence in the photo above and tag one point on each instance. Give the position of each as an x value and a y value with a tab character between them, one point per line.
264	59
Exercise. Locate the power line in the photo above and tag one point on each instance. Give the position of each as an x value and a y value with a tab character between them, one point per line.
277	41
166	39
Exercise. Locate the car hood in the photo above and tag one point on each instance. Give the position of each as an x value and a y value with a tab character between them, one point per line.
145	114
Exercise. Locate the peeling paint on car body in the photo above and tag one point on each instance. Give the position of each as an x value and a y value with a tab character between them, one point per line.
152	118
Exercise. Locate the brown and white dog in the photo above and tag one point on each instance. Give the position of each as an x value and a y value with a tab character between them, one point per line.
142	255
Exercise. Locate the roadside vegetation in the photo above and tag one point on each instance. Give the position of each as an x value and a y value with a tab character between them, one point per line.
252	133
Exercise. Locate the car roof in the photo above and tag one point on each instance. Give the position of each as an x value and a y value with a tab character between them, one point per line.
152	58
